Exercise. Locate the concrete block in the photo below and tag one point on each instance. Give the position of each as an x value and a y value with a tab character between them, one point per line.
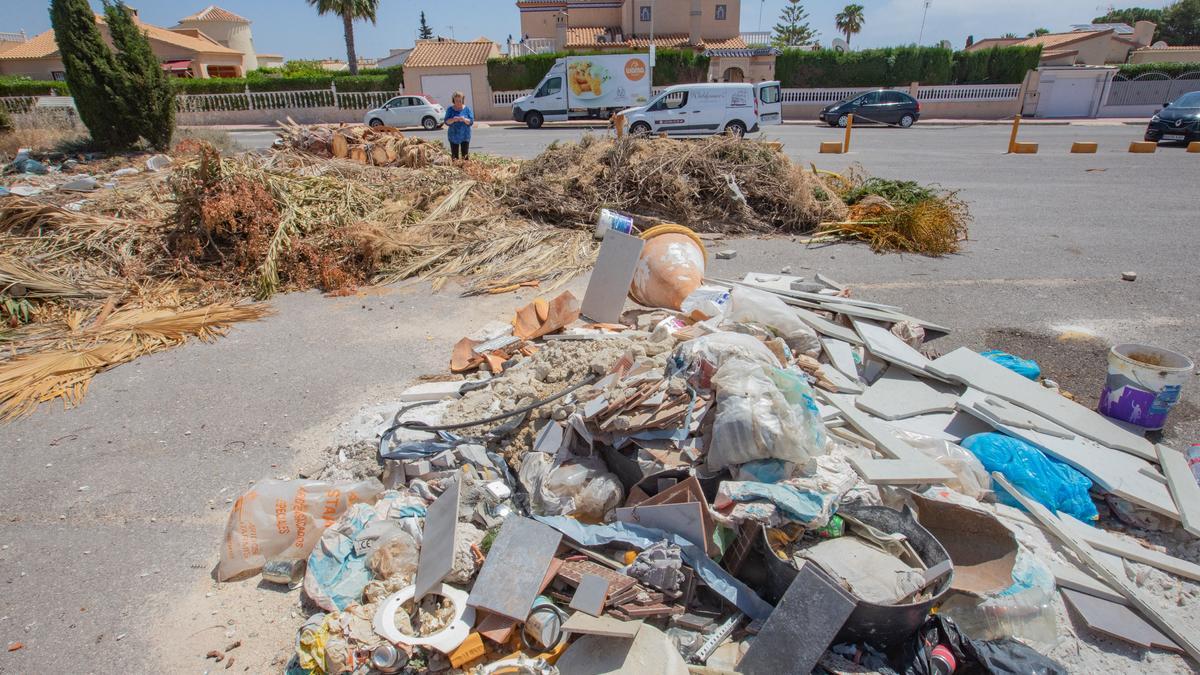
831	147
1143	147
1084	147
432	391
1025	148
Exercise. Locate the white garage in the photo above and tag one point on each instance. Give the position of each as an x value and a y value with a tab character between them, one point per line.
1071	91
442	87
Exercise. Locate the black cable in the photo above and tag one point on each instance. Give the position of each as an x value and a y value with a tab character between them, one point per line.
417	425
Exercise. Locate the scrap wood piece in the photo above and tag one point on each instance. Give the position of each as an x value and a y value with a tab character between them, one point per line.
964	365
1183	486
1117	621
1088	556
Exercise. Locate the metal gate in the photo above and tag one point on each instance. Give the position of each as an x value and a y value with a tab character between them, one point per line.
1151	88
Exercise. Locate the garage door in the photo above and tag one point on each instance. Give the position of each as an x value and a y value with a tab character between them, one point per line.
442	87
1068	97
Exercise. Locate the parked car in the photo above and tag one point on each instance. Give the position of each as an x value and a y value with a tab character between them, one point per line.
408	111
697	110
1179	120
885	106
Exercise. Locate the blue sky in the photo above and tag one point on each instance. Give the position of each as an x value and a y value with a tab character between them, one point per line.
292	28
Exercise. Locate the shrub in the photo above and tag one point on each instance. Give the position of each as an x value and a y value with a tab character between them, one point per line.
521	72
887	67
12	85
997	65
149	97
92	70
6	124
377	79
1132	70
679	66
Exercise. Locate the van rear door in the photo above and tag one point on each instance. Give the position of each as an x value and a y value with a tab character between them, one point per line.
770	102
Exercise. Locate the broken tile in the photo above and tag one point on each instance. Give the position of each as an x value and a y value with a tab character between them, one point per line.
437	547
512	574
1117	621
591	595
585	624
609	284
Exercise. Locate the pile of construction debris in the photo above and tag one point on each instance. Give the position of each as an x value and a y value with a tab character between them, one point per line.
774	476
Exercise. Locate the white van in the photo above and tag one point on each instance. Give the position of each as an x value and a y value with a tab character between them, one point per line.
703	109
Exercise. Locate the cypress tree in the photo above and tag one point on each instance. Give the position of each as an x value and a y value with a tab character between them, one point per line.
91	71
145	87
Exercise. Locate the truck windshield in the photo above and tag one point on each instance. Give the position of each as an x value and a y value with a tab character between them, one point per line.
550	86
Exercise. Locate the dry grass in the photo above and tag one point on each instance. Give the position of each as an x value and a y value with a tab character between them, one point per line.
43	131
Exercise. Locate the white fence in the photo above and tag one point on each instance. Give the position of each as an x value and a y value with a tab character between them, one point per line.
282	100
18	104
957	92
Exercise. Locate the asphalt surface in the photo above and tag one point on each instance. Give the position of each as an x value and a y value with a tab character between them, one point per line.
112	512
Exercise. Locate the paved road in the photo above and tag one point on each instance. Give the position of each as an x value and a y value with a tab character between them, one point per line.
112	513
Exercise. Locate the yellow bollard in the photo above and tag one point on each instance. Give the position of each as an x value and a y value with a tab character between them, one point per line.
1143	147
831	148
1084	147
849	126
1012	138
1194	146
1024	148
619	124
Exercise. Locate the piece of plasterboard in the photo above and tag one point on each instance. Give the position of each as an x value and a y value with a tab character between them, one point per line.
813	297
953	426
1087	555
1117	621
964	365
900	472
898	394
1114	471
1069	576
841	355
826	327
436	558
1010	414
770	282
1182	484
876	431
838	379
585	624
1104	540
884	345
512	573
609	284
821	278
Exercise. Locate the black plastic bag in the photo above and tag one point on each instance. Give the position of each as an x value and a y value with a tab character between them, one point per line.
973	657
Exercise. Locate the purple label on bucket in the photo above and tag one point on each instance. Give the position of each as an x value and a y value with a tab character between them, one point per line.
1138	406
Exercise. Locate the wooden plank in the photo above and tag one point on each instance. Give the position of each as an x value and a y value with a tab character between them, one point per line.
1087	555
1183	486
964	365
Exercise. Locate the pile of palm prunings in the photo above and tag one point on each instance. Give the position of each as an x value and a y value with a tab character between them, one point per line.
167	257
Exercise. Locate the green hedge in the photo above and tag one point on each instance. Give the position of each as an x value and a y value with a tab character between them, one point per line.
896	66
997	65
672	66
378	81
22	86
1132	70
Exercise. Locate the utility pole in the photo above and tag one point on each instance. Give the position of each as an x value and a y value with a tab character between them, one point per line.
921	37
760	9
653	54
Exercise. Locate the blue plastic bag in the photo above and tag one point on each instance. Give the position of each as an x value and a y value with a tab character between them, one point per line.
1024	367
1055	485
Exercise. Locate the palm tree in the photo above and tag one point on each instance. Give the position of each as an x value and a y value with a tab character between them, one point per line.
349	10
850	21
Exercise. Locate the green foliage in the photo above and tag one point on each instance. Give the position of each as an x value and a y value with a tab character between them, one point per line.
850	21
886	67
146	89
1181	23
678	66
996	65
424	32
369	79
6	124
349	11
793	29
1172	70
14	85
897	192
1038	32
1132	15
92	71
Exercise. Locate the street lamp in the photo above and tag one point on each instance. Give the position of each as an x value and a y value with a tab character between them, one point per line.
923	15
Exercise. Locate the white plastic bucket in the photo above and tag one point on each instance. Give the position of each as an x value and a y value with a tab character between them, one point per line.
613	220
1143	384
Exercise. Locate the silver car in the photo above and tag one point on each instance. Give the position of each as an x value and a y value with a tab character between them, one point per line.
409	110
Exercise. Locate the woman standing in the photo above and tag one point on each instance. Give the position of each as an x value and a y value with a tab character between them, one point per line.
459	120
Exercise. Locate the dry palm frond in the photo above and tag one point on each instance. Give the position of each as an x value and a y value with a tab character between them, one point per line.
39	284
934	226
64	372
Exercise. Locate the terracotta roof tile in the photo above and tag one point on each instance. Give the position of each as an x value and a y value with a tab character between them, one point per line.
36	47
1195	48
214	13
1052	40
432	53
43	45
585	37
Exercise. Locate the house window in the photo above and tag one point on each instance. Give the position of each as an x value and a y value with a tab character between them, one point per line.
222	71
644	13
58	76
720	13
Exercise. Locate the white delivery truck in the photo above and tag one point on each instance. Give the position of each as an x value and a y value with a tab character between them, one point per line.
702	109
582	87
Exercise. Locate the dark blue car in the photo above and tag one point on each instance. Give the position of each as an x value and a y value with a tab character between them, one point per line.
1178	121
885	106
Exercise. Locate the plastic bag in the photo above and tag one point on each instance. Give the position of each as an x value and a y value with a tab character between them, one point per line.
762	413
1023	610
701	358
1020	366
282	519
970	478
583	488
705	303
1055	485
750	305
915	656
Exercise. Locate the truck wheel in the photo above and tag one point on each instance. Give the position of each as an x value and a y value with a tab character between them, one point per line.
376	122
639	129
534	120
428	123
736	128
